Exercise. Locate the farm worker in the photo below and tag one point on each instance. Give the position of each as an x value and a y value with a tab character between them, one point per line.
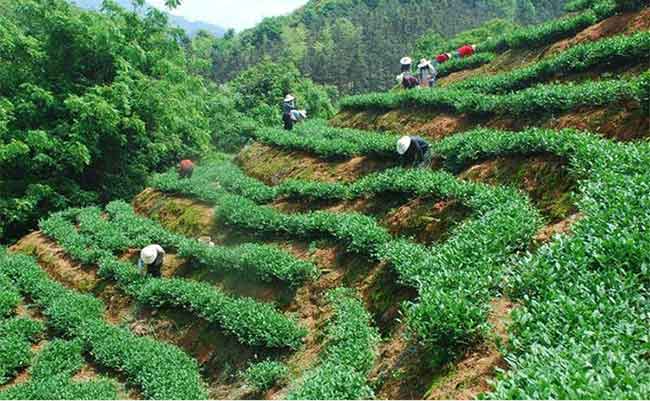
414	150
405	78
443	58
288	106
185	168
427	73
466	51
151	259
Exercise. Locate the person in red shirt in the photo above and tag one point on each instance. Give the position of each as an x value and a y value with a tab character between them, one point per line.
441	58
466	51
185	168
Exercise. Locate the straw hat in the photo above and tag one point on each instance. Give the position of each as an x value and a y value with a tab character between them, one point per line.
406	61
403	145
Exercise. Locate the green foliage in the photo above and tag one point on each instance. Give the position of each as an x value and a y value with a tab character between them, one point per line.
51	377
349	355
456	280
260	89
252	322
466	63
264	262
433	43
16	338
9	297
578	5
643	91
602	54
542	99
161	370
591	283
543	34
315	137
581	328
264	375
92	103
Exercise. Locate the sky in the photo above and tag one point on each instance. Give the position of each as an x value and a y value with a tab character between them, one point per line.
238	14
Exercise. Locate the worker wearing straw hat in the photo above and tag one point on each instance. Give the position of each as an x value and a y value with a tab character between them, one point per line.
427	73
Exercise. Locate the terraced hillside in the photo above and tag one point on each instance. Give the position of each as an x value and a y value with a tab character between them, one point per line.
313	266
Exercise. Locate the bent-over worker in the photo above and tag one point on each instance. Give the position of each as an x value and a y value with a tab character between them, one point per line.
406	78
414	151
466	51
151	259
185	168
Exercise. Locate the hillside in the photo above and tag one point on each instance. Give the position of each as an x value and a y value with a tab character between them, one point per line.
315	264
355	45
190	27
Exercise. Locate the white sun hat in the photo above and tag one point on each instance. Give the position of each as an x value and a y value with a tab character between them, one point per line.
403	144
289	98
423	63
149	254
406	61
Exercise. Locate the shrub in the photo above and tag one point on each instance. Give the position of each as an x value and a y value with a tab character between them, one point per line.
264	375
542	99
161	370
16	338
349	354
455	279
252	322
580	329
467	63
52	373
9	297
608	52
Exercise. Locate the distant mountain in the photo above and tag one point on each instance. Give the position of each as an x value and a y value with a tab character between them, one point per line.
191	27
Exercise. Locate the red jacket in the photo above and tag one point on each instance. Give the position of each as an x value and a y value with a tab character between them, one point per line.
466	51
441	58
186	165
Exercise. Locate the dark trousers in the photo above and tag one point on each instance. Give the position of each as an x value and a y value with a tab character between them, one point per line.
154	269
288	121
186	173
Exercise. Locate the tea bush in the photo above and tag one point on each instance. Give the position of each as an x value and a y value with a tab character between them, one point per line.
16	338
51	377
350	352
252	322
328	142
456	280
581	329
262	376
9	297
161	371
467	63
264	262
541	99
605	53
